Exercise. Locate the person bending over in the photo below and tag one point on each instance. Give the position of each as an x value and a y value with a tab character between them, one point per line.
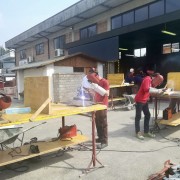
101	115
141	100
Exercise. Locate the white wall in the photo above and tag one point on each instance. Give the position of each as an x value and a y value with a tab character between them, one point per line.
47	70
20	82
63	69
100	69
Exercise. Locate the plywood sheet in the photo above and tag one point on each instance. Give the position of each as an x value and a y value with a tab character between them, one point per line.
173	81
174	121
44	147
115	79
36	92
58	110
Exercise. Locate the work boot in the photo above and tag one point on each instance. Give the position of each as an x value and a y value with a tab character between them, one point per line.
102	145
150	135
140	136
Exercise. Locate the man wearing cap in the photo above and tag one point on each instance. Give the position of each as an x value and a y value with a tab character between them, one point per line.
101	89
130	76
141	100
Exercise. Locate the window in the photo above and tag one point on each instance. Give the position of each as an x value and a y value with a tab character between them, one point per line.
78	69
128	18
141	14
172	5
59	42
141	52
166	48
40	49
116	22
156	9
175	47
170	48
23	54
88	31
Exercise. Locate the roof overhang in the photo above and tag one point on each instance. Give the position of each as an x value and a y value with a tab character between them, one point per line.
76	13
51	61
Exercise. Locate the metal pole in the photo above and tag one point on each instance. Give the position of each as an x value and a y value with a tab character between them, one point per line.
93	140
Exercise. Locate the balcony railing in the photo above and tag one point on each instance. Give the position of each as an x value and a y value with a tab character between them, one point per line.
6	71
9	55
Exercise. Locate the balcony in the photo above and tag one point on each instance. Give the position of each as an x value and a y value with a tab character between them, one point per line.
6	72
10	56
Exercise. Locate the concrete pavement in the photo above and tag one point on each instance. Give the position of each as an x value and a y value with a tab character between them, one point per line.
126	157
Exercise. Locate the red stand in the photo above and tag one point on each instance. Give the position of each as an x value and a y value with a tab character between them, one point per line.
94	158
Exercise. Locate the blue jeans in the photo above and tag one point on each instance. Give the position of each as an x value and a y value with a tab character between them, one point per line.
139	108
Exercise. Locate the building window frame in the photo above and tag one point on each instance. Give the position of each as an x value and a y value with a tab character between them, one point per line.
23	54
78	69
59	42
39	49
116	21
140	52
88	31
169	48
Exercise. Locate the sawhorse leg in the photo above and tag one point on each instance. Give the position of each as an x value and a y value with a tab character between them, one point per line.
156	127
94	158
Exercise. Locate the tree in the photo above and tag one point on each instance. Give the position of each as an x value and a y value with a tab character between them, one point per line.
3	51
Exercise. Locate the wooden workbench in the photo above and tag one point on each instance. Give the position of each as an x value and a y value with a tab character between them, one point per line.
175	120
44	148
117	96
58	110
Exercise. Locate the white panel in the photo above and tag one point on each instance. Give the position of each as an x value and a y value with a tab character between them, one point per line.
20	82
63	69
100	69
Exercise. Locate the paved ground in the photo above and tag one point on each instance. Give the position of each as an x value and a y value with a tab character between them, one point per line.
126	157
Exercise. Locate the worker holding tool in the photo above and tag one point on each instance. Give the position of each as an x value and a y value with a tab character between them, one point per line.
101	88
86	85
148	86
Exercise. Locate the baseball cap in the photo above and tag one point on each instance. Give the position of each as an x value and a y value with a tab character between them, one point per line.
131	70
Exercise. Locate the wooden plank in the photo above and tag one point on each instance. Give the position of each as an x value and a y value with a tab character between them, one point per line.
48	100
120	85
115	78
44	147
173	81
60	111
117	99
174	121
36	91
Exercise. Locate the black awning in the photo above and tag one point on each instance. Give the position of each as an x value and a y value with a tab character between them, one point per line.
106	49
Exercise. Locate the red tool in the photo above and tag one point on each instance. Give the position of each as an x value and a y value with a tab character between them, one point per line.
5	101
161	174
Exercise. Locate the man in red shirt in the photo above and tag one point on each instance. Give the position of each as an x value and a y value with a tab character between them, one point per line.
141	100
101	116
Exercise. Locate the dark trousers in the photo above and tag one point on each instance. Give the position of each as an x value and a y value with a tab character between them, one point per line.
139	108
101	125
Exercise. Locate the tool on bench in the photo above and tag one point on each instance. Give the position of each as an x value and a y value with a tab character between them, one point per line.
68	132
13	136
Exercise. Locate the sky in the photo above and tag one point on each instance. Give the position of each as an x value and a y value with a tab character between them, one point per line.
17	16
